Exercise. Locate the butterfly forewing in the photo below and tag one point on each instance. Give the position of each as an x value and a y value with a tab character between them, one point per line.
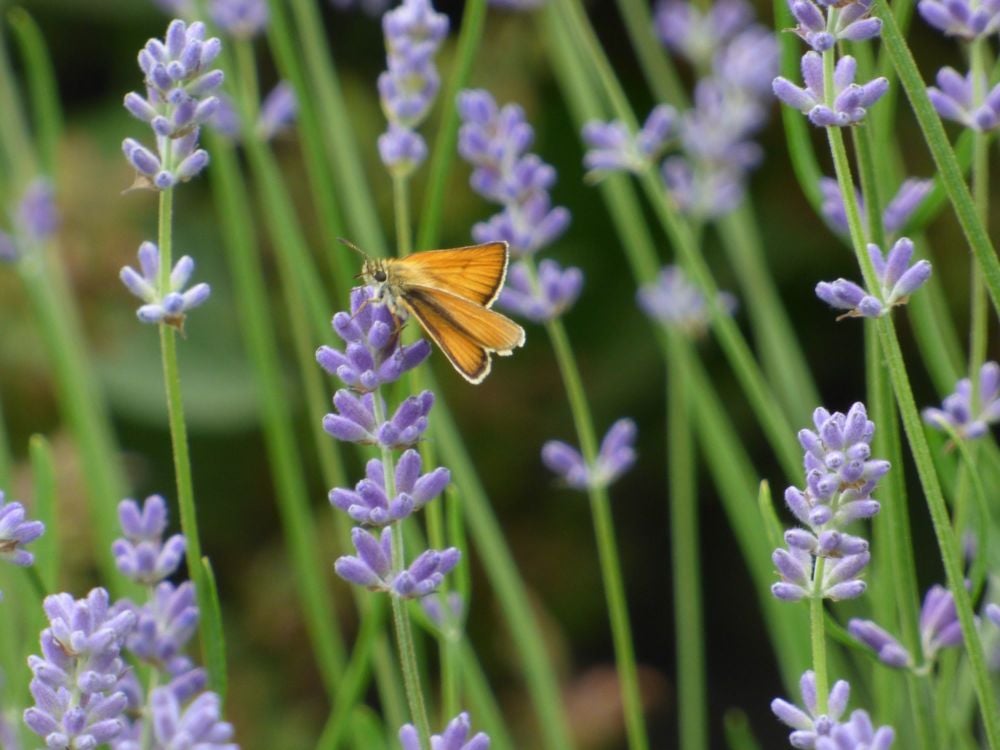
466	332
476	272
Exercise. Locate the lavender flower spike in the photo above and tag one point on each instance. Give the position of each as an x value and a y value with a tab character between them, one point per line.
677	303
454	737
889	651
958	412
242	19
966	19
372	566
858	732
15	532
613	148
615	457
142	555
897	281
955	98
897	212
939	626
851	23
686	30
809	725
850	101
199	725
169	307
541	300
77	704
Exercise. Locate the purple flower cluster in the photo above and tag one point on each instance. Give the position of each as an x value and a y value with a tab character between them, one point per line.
964	100
677	303
35	220
277	113
825	731
897	281
495	141
844	22
846	104
75	681
714	152
895	215
413	34
823	560
958	413
179	99
15	532
373	356
966	19
939	628
454	737
162	628
616	456
170	305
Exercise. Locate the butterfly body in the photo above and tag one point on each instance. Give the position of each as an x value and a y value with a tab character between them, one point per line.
450	293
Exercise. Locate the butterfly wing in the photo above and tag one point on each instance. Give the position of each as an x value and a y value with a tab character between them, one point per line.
476	272
465	331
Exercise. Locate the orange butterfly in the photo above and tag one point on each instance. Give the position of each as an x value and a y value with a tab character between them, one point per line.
450	292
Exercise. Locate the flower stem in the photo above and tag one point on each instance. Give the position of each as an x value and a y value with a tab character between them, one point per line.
978	302
401	208
947	542
818	638
600	508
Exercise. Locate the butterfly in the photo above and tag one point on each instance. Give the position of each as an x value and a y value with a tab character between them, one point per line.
450	293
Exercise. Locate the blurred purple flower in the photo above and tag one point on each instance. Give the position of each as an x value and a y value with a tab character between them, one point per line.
37	216
612	148
243	19
372	566
15	532
957	411
615	457
277	112
495	141
890	652
956	98
543	298
142	555
164	625
858	733
967	19
454	737
163	306
368	502
851	101
907	200
198	725
677	303
897	281
373	354
748	62
684	29
74	681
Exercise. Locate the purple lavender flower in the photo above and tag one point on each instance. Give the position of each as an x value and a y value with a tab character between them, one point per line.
369	504
37	216
178	101
142	555
76	703
967	19
372	567
897	281
413	34
613	148
15	532
243	19
958	413
850	101
939	625
748	63
809	725
848	22
277	111
907	199
495	141
373	354
543	298
696	36
677	303
170	307
956	97
8	249
993	613
164	626
615	457
839	579
356	422
889	650
446	611
454	737
199	725
858	733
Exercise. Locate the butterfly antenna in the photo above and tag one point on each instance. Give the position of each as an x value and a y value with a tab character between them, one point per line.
353	247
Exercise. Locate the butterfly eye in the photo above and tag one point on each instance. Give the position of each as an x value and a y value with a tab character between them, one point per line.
379	276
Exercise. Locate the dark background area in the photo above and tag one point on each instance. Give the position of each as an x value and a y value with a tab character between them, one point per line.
276	697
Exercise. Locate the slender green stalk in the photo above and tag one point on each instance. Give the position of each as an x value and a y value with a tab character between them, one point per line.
944	157
600	508
657	67
46	548
978	304
817	638
947	542
342	153
209	628
401	208
44	94
6	457
443	154
15	142
686	565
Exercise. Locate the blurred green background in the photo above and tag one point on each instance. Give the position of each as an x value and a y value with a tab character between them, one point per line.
276	700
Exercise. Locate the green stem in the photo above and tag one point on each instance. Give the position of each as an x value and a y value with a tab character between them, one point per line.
686	564
401	207
944	157
978	303
657	67
600	508
947	542
469	37
818	638
47	114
